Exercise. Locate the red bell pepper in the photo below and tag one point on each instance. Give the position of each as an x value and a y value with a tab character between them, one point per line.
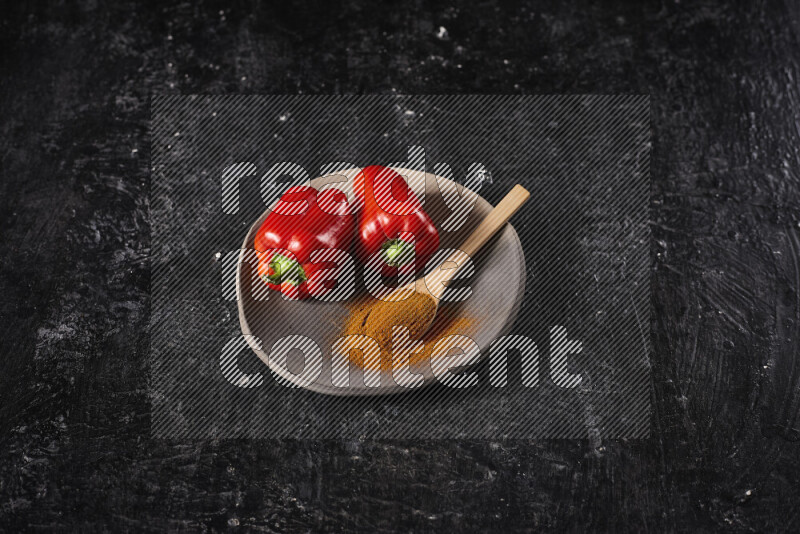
389	208
297	227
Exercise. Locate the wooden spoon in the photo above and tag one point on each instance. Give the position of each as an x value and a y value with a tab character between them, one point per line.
433	284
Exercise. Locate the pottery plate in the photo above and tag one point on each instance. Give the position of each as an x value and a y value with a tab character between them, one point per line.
498	285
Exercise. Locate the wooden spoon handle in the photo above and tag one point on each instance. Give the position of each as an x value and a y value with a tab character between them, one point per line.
496	219
493	222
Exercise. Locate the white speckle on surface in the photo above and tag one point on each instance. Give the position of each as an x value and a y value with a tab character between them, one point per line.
485	176
45	336
442	33
283	117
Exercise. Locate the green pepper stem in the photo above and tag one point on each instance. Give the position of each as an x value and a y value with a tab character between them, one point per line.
286	270
397	252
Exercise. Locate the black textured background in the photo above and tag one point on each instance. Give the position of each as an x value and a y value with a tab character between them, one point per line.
74	423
